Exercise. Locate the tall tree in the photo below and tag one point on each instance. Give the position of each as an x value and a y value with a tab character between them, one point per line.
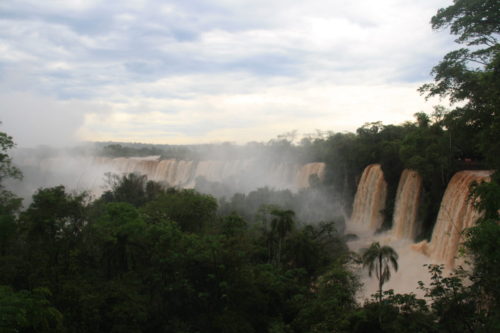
379	259
281	224
10	204
471	75
6	168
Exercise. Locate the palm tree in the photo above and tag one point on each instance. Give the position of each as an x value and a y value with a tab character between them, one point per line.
378	258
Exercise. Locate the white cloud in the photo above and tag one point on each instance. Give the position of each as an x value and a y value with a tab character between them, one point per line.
262	112
34	120
187	71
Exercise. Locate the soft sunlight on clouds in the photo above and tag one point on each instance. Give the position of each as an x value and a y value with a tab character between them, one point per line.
208	117
198	71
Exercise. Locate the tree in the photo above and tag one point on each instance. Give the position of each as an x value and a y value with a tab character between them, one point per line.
192	211
51	227
379	258
454	304
281	224
472	75
9	203
482	242
132	188
6	168
28	311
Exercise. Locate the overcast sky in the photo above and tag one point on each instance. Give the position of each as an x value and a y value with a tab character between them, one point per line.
190	71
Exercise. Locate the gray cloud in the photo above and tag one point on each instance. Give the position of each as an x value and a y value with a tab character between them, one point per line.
39	120
147	56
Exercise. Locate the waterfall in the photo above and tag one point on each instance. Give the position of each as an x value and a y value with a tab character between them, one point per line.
404	222
308	170
245	174
455	214
87	173
370	199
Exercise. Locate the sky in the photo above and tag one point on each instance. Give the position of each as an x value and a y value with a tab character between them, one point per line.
192	71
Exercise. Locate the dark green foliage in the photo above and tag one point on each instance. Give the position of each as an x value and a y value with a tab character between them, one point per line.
124	269
9	207
486	197
49	229
454	305
9	203
193	211
333	300
132	188
395	313
25	311
482	243
471	75
118	150
423	146
7	170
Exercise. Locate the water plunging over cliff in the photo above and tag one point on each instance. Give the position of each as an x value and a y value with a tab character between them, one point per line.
86	173
370	199
455	214
306	171
404	223
241	173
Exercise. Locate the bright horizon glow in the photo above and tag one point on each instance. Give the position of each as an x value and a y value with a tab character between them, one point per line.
185	72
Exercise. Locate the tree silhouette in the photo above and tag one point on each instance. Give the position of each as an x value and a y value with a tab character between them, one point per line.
379	258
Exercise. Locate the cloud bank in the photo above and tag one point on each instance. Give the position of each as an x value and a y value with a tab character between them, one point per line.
197	71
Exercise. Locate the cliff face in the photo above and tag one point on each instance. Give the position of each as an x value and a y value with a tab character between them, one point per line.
370	199
405	224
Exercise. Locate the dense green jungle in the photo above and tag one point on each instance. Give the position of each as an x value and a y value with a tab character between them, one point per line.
144	257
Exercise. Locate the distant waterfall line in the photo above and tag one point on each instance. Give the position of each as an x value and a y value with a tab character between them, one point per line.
183	173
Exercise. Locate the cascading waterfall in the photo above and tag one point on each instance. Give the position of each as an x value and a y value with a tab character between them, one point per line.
367	218
455	214
307	171
184	173
404	223
369	201
86	172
